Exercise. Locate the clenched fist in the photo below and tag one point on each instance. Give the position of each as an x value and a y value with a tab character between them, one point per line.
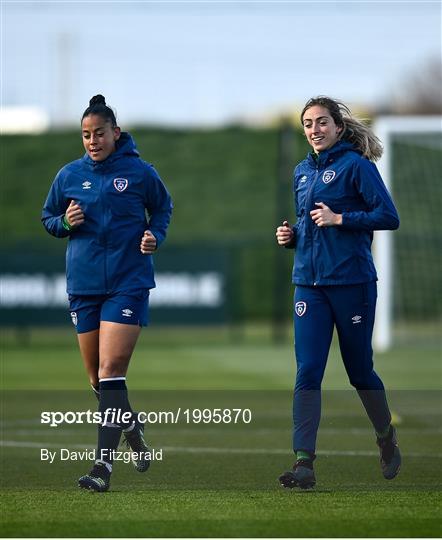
284	234
74	215
324	217
148	243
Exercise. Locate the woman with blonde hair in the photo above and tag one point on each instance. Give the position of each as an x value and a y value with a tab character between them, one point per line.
340	199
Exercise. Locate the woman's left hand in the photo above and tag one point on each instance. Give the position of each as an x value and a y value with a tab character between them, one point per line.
148	243
324	217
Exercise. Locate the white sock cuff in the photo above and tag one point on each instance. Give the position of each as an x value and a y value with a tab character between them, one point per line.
112	379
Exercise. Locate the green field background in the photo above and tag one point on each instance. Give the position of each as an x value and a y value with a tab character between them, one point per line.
218	480
221	481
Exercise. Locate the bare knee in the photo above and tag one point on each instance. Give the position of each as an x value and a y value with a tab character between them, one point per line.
116	367
109	372
117	342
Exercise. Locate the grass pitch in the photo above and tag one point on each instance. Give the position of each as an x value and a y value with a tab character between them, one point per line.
218	480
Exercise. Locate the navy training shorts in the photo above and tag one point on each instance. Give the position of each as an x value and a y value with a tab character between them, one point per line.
129	307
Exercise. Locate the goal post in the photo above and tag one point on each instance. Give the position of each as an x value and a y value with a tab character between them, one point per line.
387	128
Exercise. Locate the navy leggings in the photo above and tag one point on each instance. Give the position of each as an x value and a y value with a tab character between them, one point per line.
317	310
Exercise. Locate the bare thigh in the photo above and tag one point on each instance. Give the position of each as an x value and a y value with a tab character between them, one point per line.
116	344
89	349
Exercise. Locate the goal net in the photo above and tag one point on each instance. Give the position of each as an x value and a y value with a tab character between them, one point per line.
409	260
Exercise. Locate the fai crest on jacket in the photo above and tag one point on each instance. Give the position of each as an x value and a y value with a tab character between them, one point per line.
328	176
300	308
120	184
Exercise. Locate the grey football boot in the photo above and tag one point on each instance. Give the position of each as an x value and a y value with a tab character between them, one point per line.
390	456
302	475
97	480
134	440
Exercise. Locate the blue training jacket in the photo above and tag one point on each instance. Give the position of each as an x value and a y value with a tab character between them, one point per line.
351	185
103	254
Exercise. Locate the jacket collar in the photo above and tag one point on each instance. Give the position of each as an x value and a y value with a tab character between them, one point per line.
125	146
339	148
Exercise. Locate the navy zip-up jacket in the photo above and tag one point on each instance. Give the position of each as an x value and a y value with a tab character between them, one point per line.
351	185
103	254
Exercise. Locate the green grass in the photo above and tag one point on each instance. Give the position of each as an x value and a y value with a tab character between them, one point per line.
218	480
217	357
209	513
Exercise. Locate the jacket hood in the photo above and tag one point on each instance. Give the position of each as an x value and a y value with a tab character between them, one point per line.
124	147
338	148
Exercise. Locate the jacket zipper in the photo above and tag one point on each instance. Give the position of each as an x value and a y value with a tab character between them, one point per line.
103	235
308	200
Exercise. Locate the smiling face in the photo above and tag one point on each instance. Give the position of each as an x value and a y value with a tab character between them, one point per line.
99	136
320	128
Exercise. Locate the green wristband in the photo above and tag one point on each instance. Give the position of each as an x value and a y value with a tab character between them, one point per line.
66	224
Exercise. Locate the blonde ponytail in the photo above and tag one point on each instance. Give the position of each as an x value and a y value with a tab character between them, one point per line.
362	137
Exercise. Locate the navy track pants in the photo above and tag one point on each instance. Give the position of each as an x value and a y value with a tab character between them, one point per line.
317	310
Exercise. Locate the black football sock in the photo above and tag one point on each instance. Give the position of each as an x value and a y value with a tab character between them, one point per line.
384	434
112	406
376	406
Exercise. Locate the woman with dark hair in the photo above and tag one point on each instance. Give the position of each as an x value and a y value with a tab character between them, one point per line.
115	210
340	199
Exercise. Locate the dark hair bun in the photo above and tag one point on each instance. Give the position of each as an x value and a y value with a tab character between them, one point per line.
97	100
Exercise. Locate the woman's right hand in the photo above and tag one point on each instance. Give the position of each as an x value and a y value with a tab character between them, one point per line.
74	214
284	234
